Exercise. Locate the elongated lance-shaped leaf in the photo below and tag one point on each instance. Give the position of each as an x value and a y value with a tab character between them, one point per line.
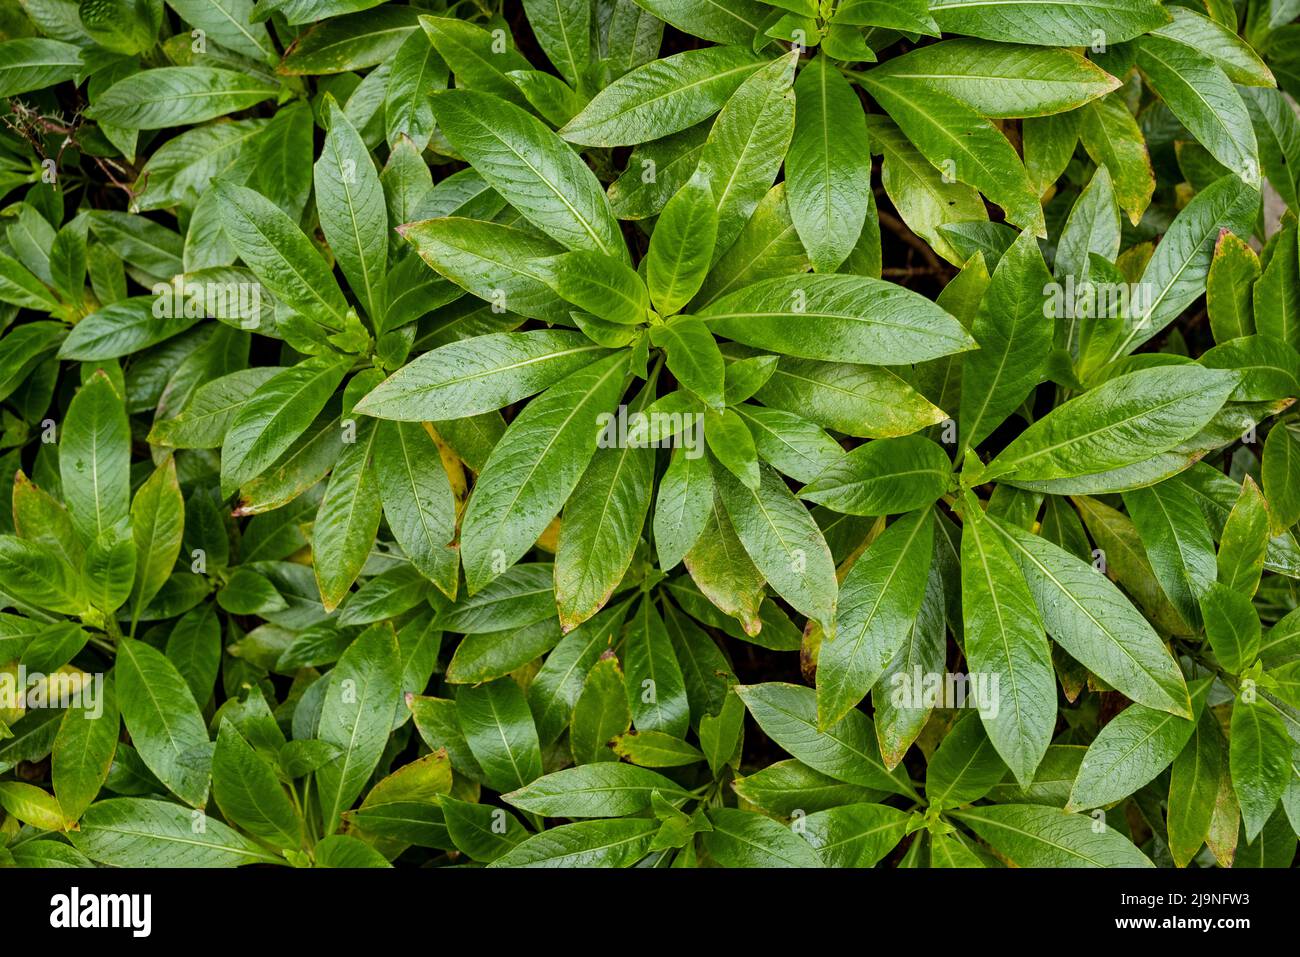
878	604
94	458
532	169
356	716
535	467
828	167
1092	619
1006	646
353	216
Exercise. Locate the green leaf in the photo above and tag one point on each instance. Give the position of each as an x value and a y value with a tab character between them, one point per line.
828	167
1111	136
475	56
747	145
1049	22
343	850
348	518
722	734
1177	541
601	713
655	749
1092	620
494	262
356	716
864	401
532	169
783	542
733	447
602	789
535	467
418	70
1280	471
910	15
135	832
228	23
194	647
349	201
1213	38
884	477
965	767
276	414
787	786
559	683
500	732
563	28
693	357
278	253
30	805
1199	93
351	42
900	718
1133	747
598	284
723	21
1266	363
1176	273
723	572
681	246
157	524
1244	541
480	831
109	568
248	792
94	458
855	835
281	172
601	527
846	751
1233	271
140	241
121	328
479	375
599	843
1193	789
83	751
953	137
837	318
1034	836
1231	626
682	507
656	688
998	80
521	596
1092	227
879	600
1275	127
768	245
744	839
662	97
30	63
1006	644
789	443
1124	420
1014	342
1259	757
178	95
490	655
163	720
417	500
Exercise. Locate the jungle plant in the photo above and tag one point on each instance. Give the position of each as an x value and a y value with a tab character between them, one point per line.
612	432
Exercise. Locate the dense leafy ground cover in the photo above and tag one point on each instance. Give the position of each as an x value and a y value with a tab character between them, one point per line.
660	432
